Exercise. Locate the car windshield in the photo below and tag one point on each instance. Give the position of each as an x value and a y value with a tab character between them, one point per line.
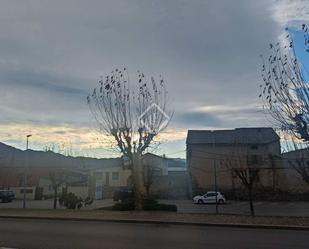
154	124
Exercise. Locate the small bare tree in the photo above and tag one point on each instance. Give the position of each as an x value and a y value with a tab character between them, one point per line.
57	178
246	171
133	114
299	160
285	92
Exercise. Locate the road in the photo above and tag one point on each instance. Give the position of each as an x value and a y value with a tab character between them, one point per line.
186	206
262	208
33	234
48	204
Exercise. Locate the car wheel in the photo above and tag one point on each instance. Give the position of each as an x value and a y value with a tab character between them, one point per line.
200	201
221	201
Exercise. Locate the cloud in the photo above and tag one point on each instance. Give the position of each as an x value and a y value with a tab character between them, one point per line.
199	119
68	137
53	52
288	11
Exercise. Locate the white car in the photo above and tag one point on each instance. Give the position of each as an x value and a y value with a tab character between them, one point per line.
209	197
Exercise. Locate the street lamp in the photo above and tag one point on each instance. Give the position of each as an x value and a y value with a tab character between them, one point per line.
25	173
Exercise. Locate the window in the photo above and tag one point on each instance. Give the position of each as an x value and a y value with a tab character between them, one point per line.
115	176
254	147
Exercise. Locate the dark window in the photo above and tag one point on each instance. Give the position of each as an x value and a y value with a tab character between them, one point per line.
28	191
254	147
115	176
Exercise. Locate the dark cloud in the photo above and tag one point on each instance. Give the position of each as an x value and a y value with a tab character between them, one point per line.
198	119
53	52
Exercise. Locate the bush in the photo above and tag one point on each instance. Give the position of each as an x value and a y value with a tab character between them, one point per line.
71	201
148	204
127	205
88	201
149	201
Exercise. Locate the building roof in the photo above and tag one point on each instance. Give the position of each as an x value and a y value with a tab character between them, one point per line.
259	135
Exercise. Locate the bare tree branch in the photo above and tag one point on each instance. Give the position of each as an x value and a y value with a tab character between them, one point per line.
284	91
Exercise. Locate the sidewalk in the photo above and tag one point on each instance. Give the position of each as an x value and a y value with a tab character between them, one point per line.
168	218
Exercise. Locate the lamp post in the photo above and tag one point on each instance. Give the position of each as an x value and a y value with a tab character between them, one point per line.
25	173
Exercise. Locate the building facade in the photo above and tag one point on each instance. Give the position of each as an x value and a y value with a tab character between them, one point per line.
212	154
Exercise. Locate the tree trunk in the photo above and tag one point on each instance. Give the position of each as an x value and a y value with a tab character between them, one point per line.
251	200
55	197
138	181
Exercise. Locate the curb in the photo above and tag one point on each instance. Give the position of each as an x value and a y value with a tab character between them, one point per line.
156	222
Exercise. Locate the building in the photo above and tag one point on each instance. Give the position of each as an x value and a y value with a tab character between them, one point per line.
212	154
170	179
97	178
296	159
166	177
37	166
103	181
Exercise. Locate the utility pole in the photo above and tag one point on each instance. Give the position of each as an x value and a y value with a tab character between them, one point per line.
216	189
215	172
25	173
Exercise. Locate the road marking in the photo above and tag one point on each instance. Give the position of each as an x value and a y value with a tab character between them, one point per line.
7	248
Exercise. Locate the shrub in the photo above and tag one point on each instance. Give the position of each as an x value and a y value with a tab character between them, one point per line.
88	201
149	201
127	205
148	204
71	201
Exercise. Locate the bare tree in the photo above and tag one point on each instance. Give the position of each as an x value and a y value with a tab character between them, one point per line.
285	92
299	159
248	177
246	170
57	178
133	114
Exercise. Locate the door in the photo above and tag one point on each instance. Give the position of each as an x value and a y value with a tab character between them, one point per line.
98	189
38	193
107	179
210	198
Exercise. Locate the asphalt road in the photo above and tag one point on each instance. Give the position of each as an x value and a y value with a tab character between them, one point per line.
262	208
33	234
186	206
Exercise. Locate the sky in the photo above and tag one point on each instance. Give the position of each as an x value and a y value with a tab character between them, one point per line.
52	54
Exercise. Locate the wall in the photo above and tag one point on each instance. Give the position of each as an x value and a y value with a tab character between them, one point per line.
157	162
19	195
104	178
203	158
13	177
293	180
175	185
